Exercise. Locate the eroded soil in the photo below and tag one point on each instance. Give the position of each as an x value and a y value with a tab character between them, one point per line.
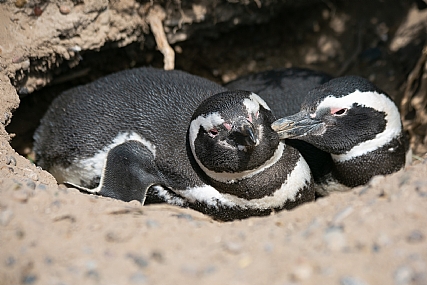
50	234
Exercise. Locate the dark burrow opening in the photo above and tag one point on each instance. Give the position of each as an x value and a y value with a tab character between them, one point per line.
334	37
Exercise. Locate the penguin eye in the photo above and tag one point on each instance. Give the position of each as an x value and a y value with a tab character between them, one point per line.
213	133
339	112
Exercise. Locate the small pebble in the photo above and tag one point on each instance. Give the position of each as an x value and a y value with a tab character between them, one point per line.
41	187
20	196
38	11
17	184
403	275
10	261
20	3
244	262
64	9
138	278
376	247
30	174
383	240
335	239
65	217
75	48
348	280
197	271
11	160
20	234
92	274
315	224
48	260
112	237
91	264
268	247
6	115
209	270
233	247
157	256
17	59
139	260
115	236
29	279
421	187
26	64
184	217
31	184
5	217
24	91
376	181
341	215
304	271
152	224
415	237
56	204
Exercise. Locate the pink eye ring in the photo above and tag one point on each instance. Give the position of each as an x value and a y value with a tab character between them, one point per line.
213	133
339	111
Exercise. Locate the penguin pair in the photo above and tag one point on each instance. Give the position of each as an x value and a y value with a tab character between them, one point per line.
168	136
347	129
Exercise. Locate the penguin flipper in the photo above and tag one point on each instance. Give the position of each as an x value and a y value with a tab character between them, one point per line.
129	171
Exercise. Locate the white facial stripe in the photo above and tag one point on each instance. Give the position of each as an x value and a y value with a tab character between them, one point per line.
296	180
252	106
373	100
89	168
259	100
208	122
253	102
227	177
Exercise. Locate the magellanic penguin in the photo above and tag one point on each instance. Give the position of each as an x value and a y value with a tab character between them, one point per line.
354	121
168	136
285	90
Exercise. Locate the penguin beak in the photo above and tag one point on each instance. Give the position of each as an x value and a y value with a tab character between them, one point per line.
244	133
296	125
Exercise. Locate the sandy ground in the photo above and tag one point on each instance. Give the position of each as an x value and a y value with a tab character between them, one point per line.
375	234
50	234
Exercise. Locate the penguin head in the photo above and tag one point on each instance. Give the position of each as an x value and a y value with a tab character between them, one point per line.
345	116
231	132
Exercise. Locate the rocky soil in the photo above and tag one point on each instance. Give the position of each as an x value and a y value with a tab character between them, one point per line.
50	234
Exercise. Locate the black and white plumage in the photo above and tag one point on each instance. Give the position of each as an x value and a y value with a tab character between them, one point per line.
354	121
285	91
168	136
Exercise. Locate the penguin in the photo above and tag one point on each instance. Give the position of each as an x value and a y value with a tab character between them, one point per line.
357	123
284	90
167	136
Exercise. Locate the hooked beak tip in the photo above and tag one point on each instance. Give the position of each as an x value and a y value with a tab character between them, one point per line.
250	136
246	134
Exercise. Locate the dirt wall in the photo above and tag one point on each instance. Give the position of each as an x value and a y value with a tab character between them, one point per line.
50	234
